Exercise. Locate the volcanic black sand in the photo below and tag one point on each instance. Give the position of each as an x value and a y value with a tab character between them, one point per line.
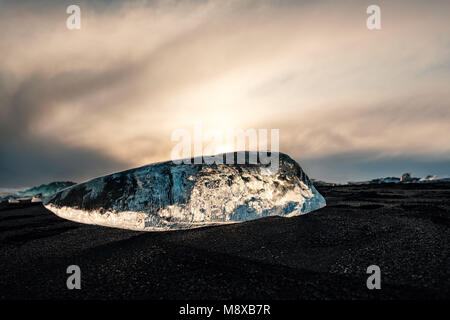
402	228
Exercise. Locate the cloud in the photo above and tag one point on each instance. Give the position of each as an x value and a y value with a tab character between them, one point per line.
366	165
30	162
113	92
415	124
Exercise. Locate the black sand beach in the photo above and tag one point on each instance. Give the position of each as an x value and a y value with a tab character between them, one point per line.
402	228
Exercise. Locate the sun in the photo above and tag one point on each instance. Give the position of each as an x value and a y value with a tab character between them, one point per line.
224	148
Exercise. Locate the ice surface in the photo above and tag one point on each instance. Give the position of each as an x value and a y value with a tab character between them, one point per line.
168	196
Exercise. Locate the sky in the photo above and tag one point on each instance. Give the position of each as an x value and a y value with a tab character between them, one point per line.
350	103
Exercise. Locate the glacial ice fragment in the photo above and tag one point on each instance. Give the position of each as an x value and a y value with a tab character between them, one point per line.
168	196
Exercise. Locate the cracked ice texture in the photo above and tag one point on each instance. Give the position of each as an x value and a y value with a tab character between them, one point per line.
168	196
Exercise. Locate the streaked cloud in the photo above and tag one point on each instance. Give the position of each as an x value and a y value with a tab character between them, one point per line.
112	93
